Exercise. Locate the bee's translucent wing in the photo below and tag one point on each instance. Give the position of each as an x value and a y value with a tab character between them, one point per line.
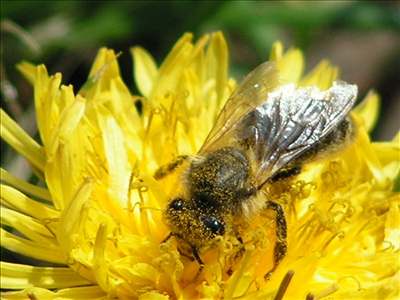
252	92
291	122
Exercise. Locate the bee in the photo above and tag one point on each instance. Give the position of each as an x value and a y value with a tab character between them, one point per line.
265	132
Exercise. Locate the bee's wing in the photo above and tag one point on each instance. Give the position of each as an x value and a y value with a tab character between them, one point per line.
292	121
252	92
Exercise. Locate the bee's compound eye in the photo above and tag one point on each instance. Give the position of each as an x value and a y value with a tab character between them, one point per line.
213	224
177	204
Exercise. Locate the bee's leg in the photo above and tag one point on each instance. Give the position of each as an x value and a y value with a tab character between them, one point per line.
241	249
170	235
167	169
286	173
239	252
281	235
196	256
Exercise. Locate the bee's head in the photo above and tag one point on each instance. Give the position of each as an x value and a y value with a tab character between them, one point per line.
191	223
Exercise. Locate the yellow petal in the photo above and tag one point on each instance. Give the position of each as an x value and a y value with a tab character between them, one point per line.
67	97
217	63
322	75
18	201
117	161
71	117
17	138
24	186
124	110
105	64
392	225
104	69
368	110
29	293
86	292
74	162
276	51
31	249
385	288
28	70
153	296
143	273
371	159
145	70
238	282
71	216
89	292
69	120
18	276
198	58
171	69
388	154
290	64
100	266
28	226
47	104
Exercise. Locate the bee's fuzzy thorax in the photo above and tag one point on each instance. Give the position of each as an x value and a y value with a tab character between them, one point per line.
253	205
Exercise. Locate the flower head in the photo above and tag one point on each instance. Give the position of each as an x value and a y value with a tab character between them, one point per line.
99	218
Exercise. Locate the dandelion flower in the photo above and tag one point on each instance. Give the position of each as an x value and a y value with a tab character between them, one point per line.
98	222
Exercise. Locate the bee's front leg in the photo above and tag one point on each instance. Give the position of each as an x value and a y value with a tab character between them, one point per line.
197	257
181	252
280	248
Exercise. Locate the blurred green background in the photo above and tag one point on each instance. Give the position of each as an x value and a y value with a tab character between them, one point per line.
362	38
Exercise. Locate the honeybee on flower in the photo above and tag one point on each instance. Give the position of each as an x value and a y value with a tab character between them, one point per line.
263	134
